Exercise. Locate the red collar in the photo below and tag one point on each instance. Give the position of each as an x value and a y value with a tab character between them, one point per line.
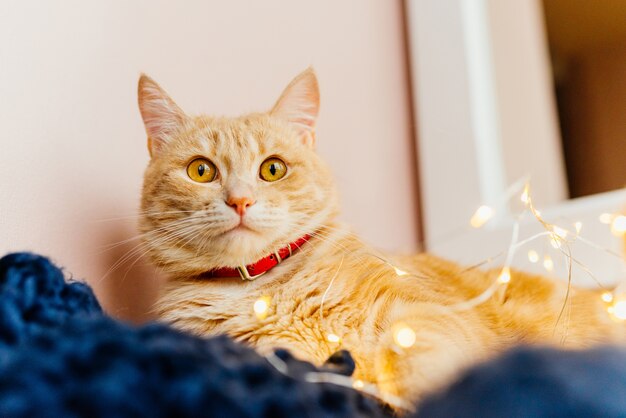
253	271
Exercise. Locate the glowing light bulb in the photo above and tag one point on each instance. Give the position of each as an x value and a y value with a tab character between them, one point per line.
400	272
618	225
505	276
559	232
333	338
533	257
525	197
481	216
261	307
548	264
607	297
606	218
358	384
404	336
619	310
555	243
579	226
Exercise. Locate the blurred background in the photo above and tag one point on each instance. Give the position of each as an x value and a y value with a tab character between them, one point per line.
429	109
587	43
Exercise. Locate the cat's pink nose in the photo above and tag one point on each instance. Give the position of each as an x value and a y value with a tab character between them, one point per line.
240	204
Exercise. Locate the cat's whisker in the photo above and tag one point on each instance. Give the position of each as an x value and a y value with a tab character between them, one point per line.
147	250
141	214
160	236
110	246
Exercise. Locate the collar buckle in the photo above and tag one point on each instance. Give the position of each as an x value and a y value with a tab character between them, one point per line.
245	275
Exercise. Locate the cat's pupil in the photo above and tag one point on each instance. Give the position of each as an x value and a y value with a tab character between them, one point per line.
201	170
273	169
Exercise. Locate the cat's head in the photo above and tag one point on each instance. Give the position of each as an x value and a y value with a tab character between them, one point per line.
222	192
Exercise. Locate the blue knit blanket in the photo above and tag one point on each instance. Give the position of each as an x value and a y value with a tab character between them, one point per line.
62	356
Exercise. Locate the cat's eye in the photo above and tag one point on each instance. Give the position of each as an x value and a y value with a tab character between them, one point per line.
201	170
273	169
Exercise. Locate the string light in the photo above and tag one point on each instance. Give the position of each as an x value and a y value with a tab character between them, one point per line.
404	336
400	272
344	381
618	225
505	276
358	384
481	216
606	218
558	237
607	297
261	307
559	232
578	226
619	310
525	197
548	264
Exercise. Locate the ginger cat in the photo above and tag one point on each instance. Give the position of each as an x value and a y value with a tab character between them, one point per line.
220	193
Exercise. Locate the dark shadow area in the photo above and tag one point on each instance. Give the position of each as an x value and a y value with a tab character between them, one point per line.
587	43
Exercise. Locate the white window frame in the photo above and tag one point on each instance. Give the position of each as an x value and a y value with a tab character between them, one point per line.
475	64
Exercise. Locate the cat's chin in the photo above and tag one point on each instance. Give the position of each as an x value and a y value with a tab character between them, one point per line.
242	243
240	231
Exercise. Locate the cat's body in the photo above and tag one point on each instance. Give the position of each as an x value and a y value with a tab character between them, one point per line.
334	284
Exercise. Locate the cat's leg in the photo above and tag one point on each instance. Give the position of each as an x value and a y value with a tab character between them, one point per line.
445	343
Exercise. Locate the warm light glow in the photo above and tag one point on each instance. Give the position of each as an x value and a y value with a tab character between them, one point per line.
404	336
533	257
400	272
548	264
481	216
333	338
358	384
619	310
505	275
618	225
261	306
559	232
525	197
607	297
579	226
606	218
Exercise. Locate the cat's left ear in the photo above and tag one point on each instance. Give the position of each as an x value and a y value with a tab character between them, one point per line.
299	105
161	116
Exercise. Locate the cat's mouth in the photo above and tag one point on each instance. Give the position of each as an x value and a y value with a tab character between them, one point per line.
241	227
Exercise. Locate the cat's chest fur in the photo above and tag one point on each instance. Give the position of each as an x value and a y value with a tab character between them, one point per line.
300	316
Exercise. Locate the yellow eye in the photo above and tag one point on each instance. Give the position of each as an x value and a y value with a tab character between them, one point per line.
201	170
273	169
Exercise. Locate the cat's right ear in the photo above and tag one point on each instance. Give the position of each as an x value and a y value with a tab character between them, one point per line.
161	116
299	105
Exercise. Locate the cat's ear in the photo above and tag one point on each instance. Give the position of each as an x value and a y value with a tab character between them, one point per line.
299	104
161	116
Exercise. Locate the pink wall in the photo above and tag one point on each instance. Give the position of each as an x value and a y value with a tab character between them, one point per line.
73	145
